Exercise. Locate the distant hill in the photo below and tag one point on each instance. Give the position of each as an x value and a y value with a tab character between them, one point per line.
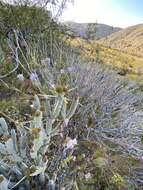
102	30
122	61
129	40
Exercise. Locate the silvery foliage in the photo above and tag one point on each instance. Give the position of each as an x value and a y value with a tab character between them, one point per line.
116	106
114	103
17	156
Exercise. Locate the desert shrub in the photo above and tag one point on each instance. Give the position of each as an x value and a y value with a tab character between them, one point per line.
24	27
31	20
111	107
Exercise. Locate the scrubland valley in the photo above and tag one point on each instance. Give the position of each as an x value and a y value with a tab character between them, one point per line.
71	102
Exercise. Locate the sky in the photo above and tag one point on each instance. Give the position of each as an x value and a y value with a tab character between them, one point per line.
120	13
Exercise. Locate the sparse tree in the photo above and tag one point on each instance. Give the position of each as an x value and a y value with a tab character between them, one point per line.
91	31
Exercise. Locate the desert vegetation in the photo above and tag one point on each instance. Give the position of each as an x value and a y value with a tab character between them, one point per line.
127	40
124	63
68	121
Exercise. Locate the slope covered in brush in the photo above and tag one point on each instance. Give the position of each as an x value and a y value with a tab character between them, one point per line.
129	64
129	40
70	123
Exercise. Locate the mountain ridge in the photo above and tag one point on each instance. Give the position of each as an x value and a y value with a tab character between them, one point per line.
102	30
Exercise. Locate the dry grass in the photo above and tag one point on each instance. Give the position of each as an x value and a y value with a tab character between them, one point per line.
121	60
128	40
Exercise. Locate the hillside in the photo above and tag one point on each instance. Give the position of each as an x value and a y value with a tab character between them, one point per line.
128	40
102	30
71	109
126	63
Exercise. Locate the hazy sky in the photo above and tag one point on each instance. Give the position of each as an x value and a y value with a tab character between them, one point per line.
120	13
